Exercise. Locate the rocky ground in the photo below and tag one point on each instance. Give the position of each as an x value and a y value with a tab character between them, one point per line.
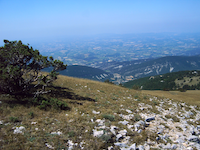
174	128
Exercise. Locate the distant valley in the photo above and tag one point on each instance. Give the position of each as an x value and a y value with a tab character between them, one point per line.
122	58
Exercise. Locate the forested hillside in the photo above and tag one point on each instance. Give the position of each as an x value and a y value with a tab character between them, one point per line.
188	80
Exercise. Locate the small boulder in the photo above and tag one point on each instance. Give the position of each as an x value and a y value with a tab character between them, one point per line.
194	138
150	119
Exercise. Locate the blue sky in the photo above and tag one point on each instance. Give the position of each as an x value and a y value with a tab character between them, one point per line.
38	19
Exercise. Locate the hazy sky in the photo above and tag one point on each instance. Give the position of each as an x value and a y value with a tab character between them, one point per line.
23	19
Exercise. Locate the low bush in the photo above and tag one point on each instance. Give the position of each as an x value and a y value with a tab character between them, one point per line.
109	117
14	119
43	103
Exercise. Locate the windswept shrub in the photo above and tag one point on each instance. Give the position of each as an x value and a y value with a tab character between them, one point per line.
20	67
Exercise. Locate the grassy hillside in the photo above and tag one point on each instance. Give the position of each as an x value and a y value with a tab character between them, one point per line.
189	80
95	109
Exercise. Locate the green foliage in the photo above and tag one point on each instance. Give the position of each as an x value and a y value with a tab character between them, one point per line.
31	114
71	134
136	96
20	66
106	138
45	104
137	117
109	117
14	119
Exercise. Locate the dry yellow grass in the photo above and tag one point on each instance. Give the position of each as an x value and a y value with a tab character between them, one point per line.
83	96
191	97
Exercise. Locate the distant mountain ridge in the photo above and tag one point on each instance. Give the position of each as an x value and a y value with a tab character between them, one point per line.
120	72
143	68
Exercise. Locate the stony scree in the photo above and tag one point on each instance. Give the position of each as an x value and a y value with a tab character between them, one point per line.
174	127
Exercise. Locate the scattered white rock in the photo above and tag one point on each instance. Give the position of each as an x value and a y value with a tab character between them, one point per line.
81	144
70	145
18	129
133	147
148	119
96	112
121	144
57	133
194	138
110	148
71	120
112	129
118	136
97	133
123	122
100	122
128	111
33	122
127	117
49	146
123	132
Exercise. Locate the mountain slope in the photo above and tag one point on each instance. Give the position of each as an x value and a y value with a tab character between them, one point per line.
170	81
153	67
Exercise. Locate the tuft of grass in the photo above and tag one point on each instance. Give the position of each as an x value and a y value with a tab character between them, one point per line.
136	96
14	119
31	115
137	117
155	103
71	134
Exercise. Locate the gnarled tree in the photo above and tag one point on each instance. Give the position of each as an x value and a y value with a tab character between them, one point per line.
20	67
